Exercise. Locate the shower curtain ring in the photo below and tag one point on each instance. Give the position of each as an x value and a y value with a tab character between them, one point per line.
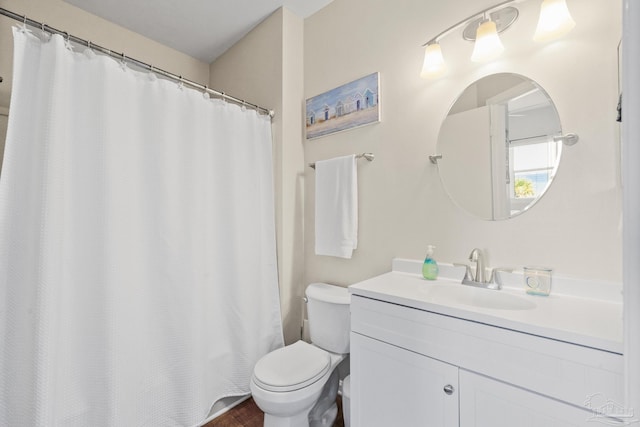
67	41
89	52
123	62
46	35
152	74
24	23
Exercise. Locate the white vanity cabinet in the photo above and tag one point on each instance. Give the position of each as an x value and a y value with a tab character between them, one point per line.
415	367
397	387
486	402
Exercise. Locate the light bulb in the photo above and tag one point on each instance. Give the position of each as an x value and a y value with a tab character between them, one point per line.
555	21
488	45
433	65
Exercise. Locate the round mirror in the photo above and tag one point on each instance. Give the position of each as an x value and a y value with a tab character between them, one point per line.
497	145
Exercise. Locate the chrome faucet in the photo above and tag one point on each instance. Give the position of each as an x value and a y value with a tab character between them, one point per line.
477	257
479	279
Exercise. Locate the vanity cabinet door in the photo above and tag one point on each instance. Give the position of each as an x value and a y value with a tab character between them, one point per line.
391	386
485	402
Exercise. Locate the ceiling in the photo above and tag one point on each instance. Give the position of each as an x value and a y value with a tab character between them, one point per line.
203	29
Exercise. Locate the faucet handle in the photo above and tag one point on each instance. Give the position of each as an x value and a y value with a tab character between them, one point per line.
468	275
495	278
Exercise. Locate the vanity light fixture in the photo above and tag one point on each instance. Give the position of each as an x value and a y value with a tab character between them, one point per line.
488	45
485	26
555	21
433	65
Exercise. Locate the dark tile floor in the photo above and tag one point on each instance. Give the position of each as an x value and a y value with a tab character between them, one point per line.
247	414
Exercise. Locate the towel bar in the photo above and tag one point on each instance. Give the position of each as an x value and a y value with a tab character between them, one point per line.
368	156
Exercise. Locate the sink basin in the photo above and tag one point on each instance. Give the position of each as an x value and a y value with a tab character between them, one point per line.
476	297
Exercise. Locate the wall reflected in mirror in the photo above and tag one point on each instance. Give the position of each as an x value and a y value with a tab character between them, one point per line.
497	144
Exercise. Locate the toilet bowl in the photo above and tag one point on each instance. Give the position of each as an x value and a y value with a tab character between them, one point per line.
286	389
297	385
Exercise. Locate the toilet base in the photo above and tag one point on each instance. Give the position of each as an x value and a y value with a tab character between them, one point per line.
302	420
325	411
327	419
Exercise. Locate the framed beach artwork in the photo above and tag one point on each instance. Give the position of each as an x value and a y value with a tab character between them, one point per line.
348	106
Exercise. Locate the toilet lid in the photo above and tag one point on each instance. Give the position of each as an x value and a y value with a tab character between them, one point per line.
292	367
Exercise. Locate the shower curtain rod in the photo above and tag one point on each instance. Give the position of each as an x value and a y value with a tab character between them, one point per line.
143	65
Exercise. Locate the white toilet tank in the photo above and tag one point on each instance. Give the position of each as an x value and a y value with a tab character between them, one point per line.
329	316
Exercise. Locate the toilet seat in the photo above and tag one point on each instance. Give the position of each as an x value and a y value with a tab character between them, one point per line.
291	368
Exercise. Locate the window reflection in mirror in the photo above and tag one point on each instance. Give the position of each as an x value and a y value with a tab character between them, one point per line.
533	155
498	152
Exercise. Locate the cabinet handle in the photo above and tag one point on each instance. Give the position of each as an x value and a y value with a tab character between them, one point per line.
448	389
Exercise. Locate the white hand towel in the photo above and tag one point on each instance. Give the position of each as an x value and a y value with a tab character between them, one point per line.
337	206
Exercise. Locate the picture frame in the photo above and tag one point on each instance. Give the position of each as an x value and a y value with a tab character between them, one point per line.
345	107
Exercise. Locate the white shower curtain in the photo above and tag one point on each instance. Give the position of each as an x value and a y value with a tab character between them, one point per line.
138	278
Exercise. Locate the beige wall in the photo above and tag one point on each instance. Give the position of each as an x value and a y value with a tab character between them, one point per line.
266	68
575	228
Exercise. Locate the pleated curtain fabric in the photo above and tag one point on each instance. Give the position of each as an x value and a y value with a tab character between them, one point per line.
138	279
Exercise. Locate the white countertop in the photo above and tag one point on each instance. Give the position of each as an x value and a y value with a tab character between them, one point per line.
589	322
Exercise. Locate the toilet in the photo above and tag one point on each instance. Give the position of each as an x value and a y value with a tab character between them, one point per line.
297	385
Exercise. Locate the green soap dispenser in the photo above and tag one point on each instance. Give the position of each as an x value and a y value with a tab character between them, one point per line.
430	268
